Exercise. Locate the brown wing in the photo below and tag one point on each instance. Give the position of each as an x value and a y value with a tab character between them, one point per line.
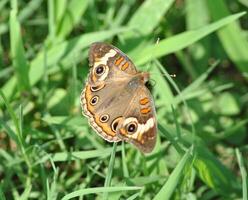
111	102
139	124
120	60
106	88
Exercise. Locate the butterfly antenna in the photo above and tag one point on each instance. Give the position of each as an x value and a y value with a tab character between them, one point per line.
149	65
171	75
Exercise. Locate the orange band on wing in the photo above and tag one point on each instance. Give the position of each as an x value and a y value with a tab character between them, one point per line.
139	138
125	66
119	60
145	110
122	131
88	96
105	127
144	101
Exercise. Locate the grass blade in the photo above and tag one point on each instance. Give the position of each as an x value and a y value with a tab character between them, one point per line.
243	174
107	182
234	43
124	160
98	190
147	16
170	186
2	196
197	17
72	15
66	156
12	116
17	52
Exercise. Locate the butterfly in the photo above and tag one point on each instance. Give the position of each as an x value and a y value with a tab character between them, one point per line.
116	101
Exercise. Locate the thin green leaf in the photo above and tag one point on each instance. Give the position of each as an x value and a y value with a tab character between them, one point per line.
12	115
214	173
98	190
147	16
196	17
170	186
243	173
72	16
124	160
67	156
2	196
108	178
231	36
134	196
19	60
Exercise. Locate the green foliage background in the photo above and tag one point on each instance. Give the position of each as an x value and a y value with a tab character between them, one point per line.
48	150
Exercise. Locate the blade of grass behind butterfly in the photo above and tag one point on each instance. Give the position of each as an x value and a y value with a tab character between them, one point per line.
169	136
70	17
12	135
18	121
161	84
29	9
13	118
71	97
3	70
2	196
112	7
98	190
195	85
121	15
230	36
147	17
176	123
51	21
51	189
134	196
26	157
83	155
124	161
244	2
170	185
60	10
214	173
17	50
107	182
243	173
26	193
199	52
45	80
179	93
3	3
233	131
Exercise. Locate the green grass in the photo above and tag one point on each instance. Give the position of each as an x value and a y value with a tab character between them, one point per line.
47	148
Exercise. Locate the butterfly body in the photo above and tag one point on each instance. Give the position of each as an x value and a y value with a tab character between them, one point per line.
116	100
